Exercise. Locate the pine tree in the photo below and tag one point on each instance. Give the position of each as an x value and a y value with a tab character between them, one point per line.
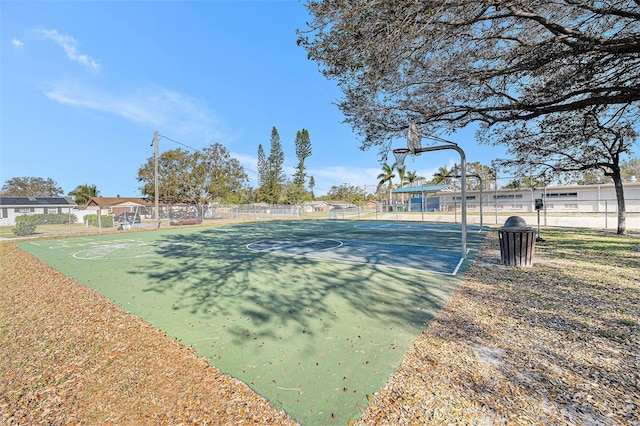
274	176
303	151
262	167
312	183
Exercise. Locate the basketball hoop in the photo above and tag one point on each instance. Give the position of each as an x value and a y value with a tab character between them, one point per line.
401	154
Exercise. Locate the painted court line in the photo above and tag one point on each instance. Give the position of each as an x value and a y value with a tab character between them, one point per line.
430	228
130	249
89	243
398	256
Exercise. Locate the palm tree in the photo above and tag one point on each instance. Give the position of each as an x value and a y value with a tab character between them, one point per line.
412	177
386	177
83	193
409	179
441	176
402	174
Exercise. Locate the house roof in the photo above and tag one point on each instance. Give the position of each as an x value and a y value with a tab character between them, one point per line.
414	189
115	201
335	203
36	201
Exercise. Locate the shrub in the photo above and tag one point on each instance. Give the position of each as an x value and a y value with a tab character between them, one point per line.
25	225
54	219
92	220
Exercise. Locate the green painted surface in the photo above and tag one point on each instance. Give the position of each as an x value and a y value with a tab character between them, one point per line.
313	333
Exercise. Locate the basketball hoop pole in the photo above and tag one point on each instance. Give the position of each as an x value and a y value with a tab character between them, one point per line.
155	191
463	184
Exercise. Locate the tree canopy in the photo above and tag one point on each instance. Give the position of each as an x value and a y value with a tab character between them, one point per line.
271	172
519	69
303	151
445	64
83	193
346	192
193	177
29	186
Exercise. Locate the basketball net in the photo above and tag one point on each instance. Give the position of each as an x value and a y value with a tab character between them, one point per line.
400	154
413	145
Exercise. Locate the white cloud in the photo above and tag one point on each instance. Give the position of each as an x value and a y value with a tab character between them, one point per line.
427	174
326	177
69	45
169	112
250	164
17	43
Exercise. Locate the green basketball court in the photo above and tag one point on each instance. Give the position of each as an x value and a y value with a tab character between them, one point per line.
314	315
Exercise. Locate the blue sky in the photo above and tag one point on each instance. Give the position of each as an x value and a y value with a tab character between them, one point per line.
84	85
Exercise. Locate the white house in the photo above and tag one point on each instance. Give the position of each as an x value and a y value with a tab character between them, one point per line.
560	199
12	207
112	206
314	206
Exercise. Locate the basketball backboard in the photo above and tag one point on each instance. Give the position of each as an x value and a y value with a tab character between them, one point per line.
414	140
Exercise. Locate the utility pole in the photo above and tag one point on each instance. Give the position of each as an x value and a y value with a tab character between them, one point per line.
155	190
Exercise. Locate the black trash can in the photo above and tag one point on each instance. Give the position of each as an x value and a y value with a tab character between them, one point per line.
517	242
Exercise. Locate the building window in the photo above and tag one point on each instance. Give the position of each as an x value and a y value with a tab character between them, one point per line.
508	197
563	194
45	210
5	213
571	206
24	210
469	197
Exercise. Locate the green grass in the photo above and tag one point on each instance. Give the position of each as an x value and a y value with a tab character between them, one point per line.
597	246
50	230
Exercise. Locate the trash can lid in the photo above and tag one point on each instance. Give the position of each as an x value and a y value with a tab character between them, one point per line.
515	223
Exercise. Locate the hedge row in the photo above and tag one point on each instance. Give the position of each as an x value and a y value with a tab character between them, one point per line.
92	220
52	219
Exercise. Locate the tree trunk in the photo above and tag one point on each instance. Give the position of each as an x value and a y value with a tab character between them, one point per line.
622	215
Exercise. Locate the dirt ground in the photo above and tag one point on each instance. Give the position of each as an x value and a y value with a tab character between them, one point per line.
557	343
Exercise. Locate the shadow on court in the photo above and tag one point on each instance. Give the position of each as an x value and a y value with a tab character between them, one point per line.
316	335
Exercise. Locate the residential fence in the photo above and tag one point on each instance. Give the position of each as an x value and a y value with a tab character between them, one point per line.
488	212
602	213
